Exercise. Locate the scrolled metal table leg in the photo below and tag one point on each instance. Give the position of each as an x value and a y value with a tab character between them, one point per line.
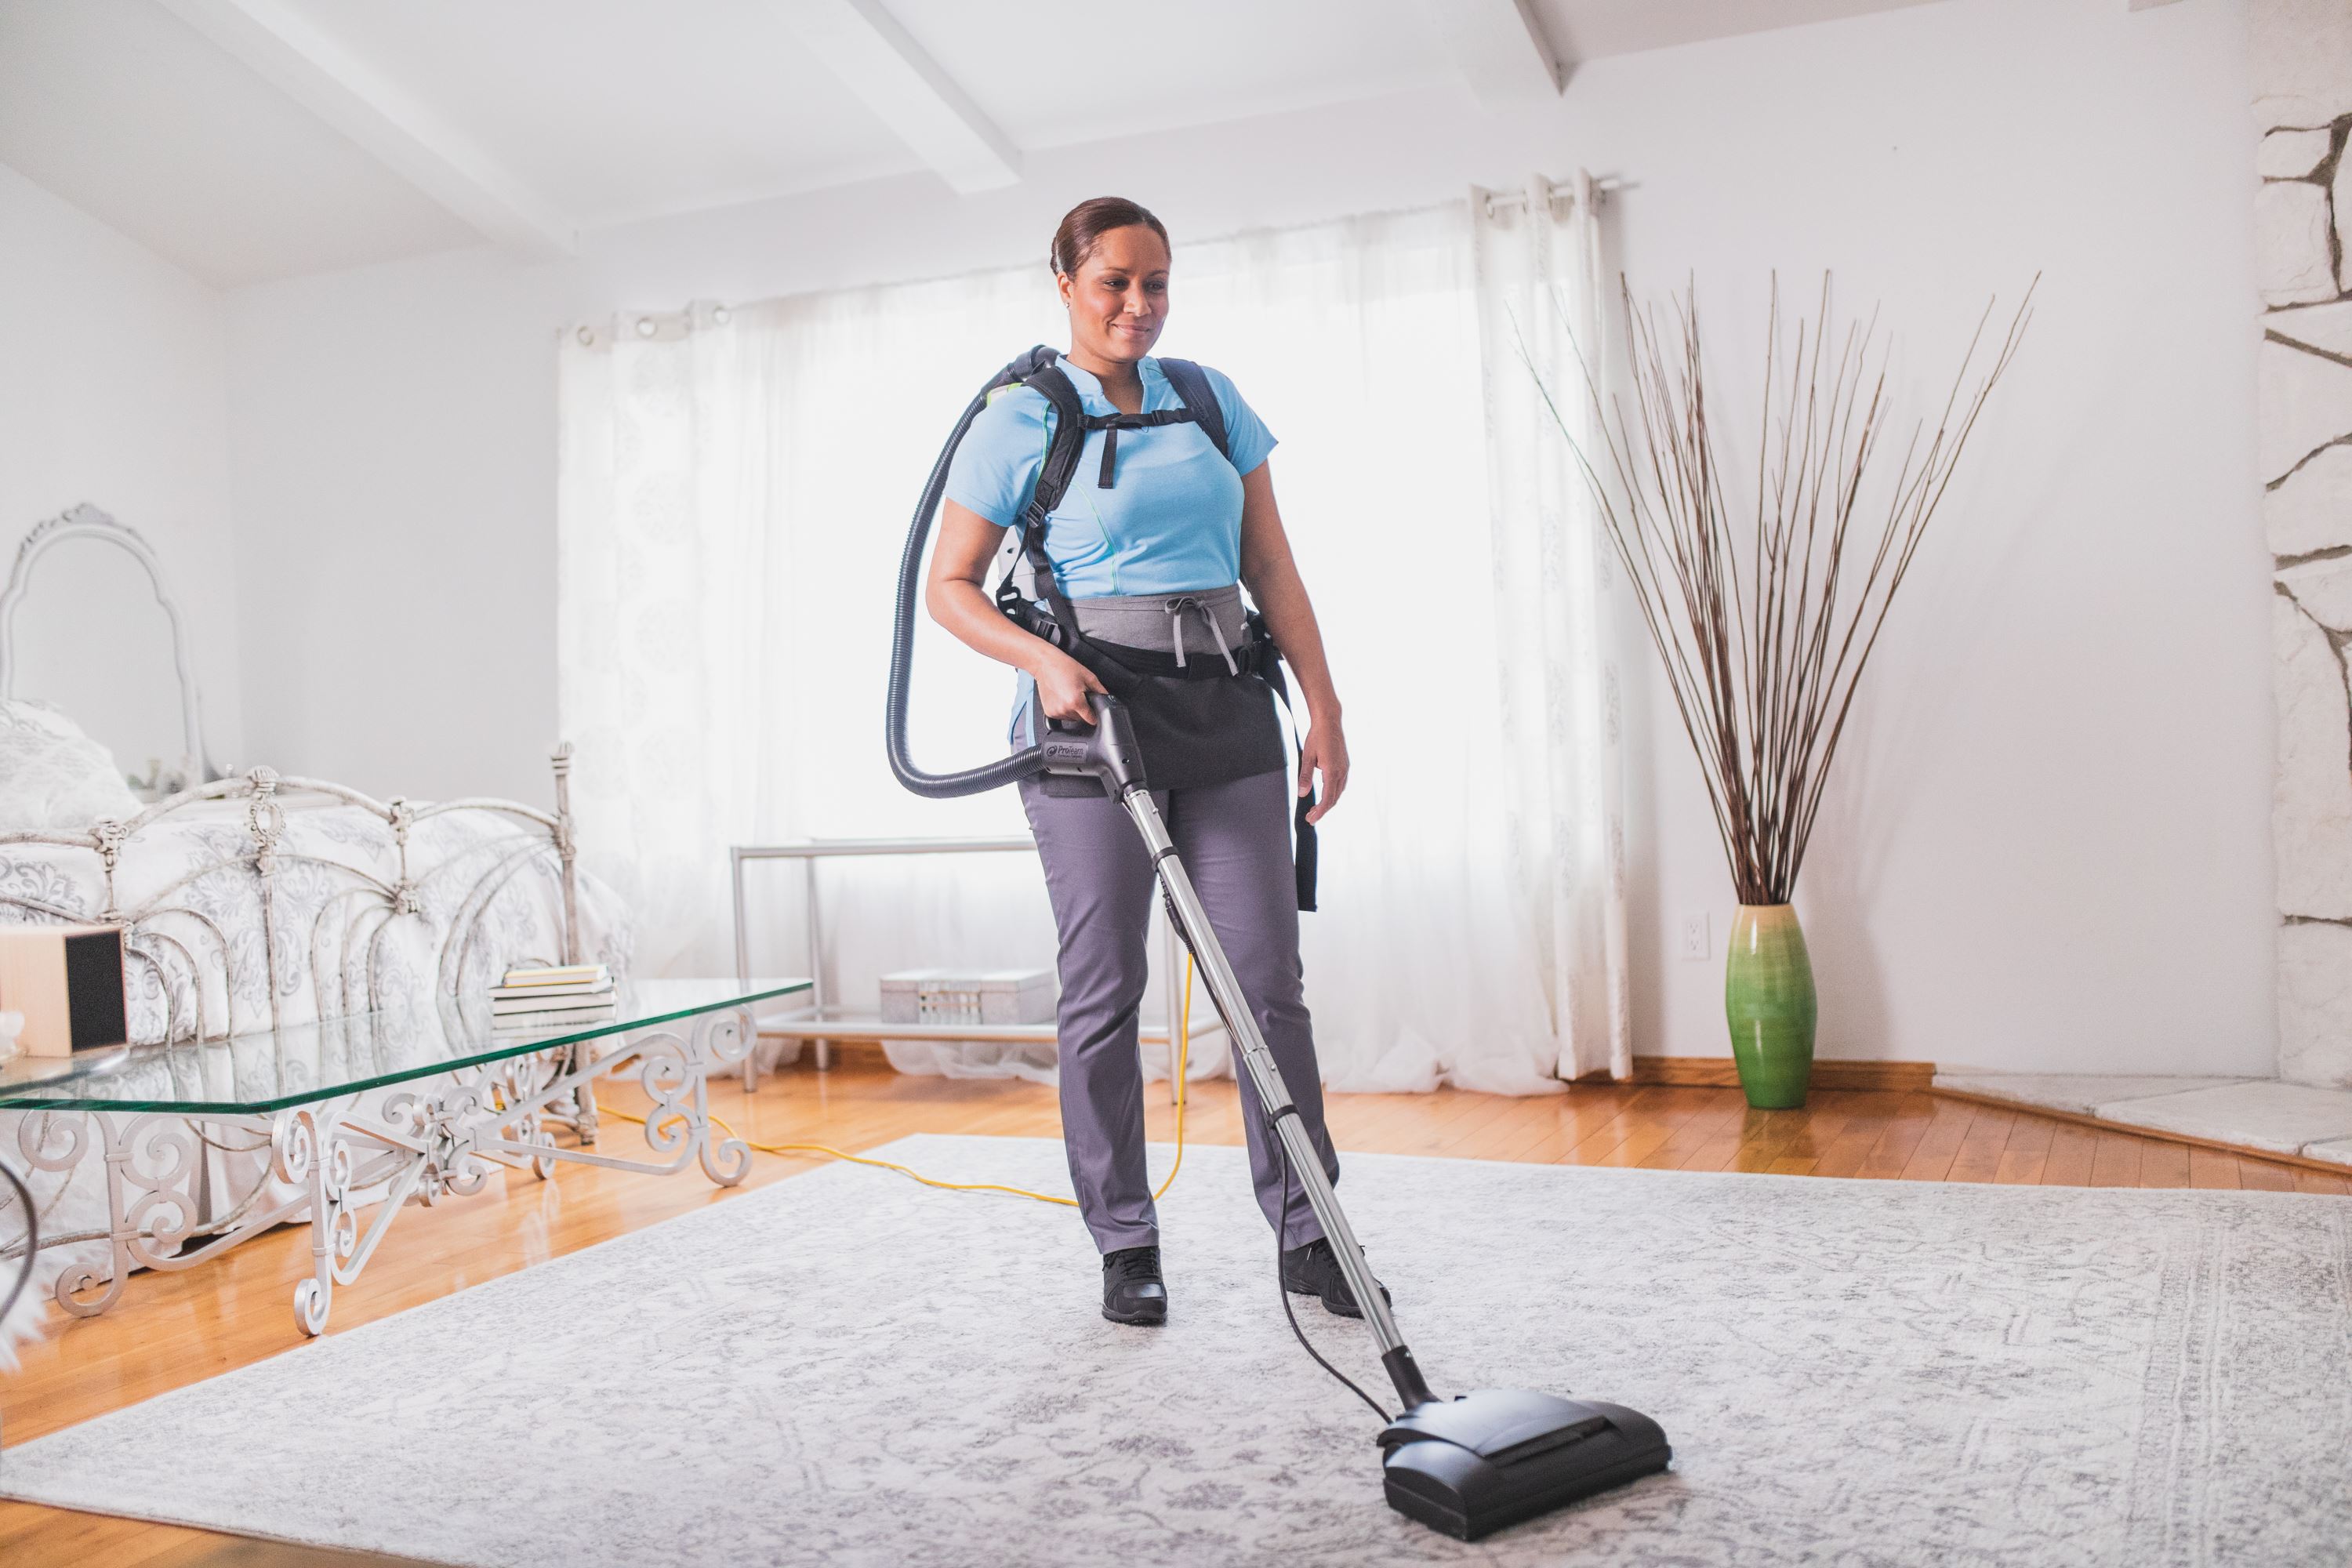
54	1140
306	1149
673	1072
722	1039
584	1106
454	1123
151	1164
524	1081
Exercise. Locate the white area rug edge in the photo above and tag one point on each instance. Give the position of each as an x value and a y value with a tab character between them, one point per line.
1226	1214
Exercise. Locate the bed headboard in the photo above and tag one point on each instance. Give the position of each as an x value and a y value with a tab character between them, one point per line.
87	522
250	918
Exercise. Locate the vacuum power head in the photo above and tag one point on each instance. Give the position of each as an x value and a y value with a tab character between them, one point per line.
1470	1466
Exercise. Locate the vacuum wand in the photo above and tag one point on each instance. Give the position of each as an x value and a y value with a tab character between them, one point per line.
1274	1095
1108	752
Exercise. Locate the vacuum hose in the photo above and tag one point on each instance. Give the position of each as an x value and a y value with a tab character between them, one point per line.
1008	769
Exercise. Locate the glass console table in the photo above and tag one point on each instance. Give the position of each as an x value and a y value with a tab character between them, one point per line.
302	1098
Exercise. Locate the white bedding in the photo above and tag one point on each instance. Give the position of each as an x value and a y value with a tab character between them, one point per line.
53	775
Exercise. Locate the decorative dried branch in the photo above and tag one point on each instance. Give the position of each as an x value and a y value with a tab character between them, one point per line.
1764	637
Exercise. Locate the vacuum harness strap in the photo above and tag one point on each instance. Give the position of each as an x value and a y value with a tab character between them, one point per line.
1165	623
1071	425
1110	425
1058	621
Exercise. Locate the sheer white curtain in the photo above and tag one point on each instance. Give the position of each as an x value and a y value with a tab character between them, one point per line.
1538	264
735	492
1359	343
657	546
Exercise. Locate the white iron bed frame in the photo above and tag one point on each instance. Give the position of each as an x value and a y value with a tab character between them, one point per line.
177	1222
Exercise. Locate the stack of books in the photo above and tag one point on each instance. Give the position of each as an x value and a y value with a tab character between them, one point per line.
544	1001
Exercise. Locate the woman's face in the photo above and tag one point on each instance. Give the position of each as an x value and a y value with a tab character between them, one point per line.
1118	300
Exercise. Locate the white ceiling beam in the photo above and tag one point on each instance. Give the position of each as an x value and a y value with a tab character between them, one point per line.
1502	49
347	93
863	44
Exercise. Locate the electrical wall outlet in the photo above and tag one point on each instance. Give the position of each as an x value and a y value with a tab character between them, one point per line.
1697	940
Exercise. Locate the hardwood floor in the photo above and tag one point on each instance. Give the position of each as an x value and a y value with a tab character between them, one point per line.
170	1329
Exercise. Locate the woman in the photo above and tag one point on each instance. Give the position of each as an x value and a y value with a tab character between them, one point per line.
1151	553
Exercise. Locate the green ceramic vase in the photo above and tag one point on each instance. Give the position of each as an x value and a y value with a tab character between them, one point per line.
1768	997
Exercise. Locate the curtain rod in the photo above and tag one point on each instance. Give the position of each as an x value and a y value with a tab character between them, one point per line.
1562	195
653	325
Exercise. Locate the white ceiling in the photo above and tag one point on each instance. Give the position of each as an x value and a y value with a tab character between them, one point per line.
1050	83
255	138
613	110
1590	29
119	108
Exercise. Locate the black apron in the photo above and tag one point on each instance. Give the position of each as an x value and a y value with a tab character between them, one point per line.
1194	732
1191	731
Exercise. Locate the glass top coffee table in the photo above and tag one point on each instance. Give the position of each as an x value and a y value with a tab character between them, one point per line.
380	1108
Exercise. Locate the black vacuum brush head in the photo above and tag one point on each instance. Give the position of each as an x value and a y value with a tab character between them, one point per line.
1470	1466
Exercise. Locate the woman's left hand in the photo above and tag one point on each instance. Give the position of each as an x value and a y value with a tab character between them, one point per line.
1325	750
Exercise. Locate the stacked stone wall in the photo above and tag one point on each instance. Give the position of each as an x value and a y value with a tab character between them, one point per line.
2300	52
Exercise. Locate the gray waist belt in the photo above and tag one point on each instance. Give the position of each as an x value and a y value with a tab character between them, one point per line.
1169	622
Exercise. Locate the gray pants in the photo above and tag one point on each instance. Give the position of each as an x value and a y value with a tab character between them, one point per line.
1235	842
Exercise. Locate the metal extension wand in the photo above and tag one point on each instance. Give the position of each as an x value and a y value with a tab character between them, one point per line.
1108	752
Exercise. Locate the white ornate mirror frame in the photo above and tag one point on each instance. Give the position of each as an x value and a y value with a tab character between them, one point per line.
86	522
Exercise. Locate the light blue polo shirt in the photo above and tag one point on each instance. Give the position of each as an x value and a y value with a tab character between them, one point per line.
1171	520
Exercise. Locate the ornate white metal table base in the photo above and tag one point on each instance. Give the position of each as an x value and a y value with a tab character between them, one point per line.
418	1147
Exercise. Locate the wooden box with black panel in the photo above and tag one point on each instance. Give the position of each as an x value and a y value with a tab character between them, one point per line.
66	980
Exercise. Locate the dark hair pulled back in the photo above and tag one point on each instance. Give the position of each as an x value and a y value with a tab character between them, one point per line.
1084	226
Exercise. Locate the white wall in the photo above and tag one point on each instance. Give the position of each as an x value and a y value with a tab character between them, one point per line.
115	395
394	447
2049	848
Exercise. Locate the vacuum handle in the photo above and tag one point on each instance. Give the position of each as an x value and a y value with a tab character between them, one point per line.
1104	749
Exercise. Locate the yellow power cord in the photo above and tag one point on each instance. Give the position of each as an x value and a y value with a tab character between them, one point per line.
1183	1060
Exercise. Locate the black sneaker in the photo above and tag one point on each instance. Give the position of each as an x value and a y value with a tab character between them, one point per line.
1133	1290
1314	1270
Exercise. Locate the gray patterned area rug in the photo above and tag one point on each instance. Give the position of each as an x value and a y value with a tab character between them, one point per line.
846	1368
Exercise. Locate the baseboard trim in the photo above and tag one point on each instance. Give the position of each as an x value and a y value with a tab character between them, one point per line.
1717	1072
1665	1072
2243	1150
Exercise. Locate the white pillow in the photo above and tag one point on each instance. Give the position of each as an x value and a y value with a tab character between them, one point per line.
53	775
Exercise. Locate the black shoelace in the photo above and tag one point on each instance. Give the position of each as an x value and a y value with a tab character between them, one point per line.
1136	1263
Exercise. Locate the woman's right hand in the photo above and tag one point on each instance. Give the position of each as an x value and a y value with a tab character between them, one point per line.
1063	684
